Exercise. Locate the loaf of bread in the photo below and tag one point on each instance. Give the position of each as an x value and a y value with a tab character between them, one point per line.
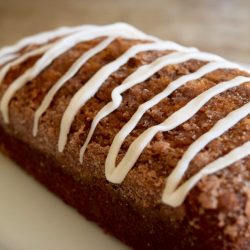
148	138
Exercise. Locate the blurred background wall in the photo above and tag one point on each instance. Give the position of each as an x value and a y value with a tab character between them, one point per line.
219	26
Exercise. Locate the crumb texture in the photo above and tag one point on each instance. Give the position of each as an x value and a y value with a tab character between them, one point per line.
216	213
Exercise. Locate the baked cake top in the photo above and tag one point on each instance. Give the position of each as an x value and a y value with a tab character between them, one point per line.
191	76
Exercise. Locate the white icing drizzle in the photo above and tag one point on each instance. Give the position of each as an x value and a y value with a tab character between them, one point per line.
7	58
140	75
45	37
41	38
116	174
217	130
68	75
173	194
178	196
62	46
4	70
90	88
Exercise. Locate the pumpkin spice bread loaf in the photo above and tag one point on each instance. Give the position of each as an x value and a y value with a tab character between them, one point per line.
149	139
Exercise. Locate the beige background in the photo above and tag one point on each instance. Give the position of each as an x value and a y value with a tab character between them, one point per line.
220	26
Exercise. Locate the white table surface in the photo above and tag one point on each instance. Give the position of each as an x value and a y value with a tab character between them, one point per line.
32	218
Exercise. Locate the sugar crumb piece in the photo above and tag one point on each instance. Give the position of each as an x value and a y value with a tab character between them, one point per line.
247	206
231	231
208	201
160	147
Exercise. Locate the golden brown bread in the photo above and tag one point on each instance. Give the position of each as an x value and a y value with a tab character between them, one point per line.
215	214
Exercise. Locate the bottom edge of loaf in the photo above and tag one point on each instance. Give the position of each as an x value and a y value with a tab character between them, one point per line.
99	204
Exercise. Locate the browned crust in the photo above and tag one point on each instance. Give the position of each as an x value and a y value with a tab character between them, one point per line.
216	212
103	204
